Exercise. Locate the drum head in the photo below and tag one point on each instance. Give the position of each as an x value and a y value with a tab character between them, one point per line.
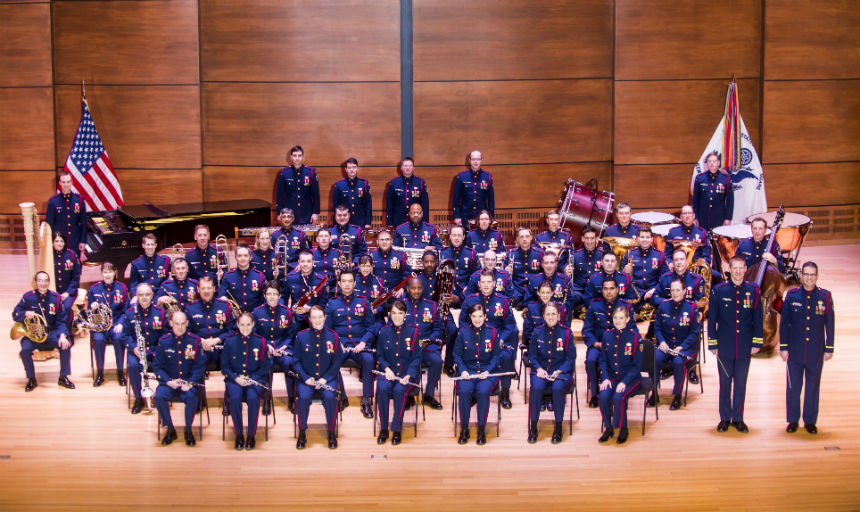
790	220
733	231
663	229
652	218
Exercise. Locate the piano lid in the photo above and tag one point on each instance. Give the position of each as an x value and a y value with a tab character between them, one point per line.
155	215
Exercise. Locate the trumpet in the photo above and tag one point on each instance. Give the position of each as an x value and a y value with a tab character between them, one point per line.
478	375
414	385
221	249
280	265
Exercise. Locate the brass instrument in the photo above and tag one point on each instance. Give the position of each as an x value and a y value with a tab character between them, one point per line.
234	305
344	247
699	266
620	245
171	305
647	313
446	278
222	251
281	248
98	319
553	248
35	329
414	256
177	251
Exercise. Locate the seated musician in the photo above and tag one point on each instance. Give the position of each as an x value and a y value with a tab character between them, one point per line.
179	289
114	294
399	354
504	283
533	318
366	282
389	264
263	257
620	364
150	268
693	283
609	271
598	319
43	301
644	265
342	227
623	228
500	317
67	271
403	192
562	290
353	193
464	258
318	356
584	262
274	322
477	353
179	365
204	258
524	262
424	314
689	231
427	276
352	318
211	319
484	238
245	363
146	320
326	259
295	238
752	249
415	233
243	284
302	283
554	235
552	356
677	326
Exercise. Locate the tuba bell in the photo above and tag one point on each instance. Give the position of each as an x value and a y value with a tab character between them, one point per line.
699	266
620	245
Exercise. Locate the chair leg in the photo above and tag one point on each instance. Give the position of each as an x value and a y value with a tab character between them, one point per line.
415	423
454	416
92	359
644	411
499	414
570	412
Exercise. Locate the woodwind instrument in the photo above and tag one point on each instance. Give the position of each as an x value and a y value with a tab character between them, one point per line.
446	278
387	295
365	349
146	392
257	383
478	375
414	385
183	382
312	293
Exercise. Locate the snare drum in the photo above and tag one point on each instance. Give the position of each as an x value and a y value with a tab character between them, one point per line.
660	232
651	219
791	232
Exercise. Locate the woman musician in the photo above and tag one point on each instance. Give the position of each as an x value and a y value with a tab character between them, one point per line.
114	294
620	364
275	323
67	271
263	257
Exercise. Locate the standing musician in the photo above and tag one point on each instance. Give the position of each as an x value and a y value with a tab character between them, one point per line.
464	258
694	284
366	282
114	294
598	320
326	258
351	317
620	363
424	314
610	271
399	354
354	193
644	265
204	258
524	262
389	264
484	238
342	227
752	249
301	282
263	257
404	191
274	322
477	353
623	228
150	268
245	363
180	287
179	365
689	231
150	319
473	191
503	282
677	326
211	319
296	239
43	301
318	356
562	289
298	188
67	271
417	233
805	342
735	334
243	284
552	355
713	197
554	235
67	214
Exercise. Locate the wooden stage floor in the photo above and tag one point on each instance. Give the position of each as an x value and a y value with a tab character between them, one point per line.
82	450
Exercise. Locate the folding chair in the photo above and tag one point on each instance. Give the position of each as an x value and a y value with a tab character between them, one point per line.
201	405
571	392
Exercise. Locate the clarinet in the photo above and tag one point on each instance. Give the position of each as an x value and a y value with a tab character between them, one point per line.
146	392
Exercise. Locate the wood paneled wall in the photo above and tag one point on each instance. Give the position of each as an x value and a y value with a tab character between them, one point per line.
201	99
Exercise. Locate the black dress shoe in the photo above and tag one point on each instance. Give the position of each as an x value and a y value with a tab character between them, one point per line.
432	403
549	406
100	379
533	432
693	377
396	438
558	432
30	385
449	371
121	380
607	435
676	403
332	440
464	436
722	426
302	440
741	426
506	399
366	409
481	439
189	438
169	437
791	428
811	428
652	402
383	436
622	436
240	442
665	373
250	443
65	382
593	402
138	406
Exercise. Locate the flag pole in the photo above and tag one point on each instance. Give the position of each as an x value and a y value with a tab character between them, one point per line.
83	91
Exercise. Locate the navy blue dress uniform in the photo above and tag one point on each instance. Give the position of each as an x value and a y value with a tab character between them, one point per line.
355	195
178	358
678	324
500	317
277	327
476	351
526	264
504	283
557	237
620	361
67	276
403	193
353	320
690	233
424	314
417	236
265	262
806	333
647	268
67	214
626	289
398	348
356	234
297	286
299	190
552	349
57	319
368	286
617	230
598	320
243	286
585	263
116	297
533	318
152	271
694	286
713	199
752	251
204	263
296	241
185	291
245	356
319	355
465	263
428	284
152	323
213	319
734	329
562	291
325	263
473	192
390	266
485	240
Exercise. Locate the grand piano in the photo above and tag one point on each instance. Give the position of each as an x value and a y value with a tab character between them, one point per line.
115	235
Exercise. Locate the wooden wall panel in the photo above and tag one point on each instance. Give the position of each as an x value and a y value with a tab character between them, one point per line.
27	129
148	127
653	187
669	122
806	39
519	121
659	39
300	40
19	186
811	121
812	184
163	186
492	39
150	42
256	124
25	45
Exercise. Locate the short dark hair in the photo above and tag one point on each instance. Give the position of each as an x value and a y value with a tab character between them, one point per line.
476	307
350	160
810	264
297	149
399	305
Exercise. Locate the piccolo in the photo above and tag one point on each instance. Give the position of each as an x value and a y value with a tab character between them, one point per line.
478	375
366	349
396	378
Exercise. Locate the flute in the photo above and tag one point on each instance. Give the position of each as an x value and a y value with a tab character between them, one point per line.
183	382
397	379
366	349
257	383
478	375
550	378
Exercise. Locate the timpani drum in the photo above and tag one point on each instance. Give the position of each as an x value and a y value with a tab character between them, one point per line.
651	219
791	232
659	233
582	206
727	239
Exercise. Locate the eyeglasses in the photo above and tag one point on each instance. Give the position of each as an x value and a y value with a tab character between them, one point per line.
808	275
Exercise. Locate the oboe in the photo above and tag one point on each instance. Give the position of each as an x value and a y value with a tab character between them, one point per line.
257	383
396	378
478	375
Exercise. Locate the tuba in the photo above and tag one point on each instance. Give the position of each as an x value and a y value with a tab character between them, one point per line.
344	248
620	245
699	266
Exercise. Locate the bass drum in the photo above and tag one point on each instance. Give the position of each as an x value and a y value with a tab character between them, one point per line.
659	233
581	206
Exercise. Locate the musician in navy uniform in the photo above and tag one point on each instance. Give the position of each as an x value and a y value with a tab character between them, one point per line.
67	271
67	214
263	257
179	364
473	191
524	262
43	301
274	321
552	354
318	356
327	258
298	188
204	259
180	287
211	319
484	238
399	358
366	282
427	276
404	191
620	363
477	353
533	312
342	227
805	341
424	314
623	228
114	294
562	291
464	258
554	235
150	268
689	231
354	193
677	326
694	284
734	335
389	264
752	249
151	320
609	270
304	281
243	284
295	238
644	265
416	233
504	283
245	363
713	197
585	261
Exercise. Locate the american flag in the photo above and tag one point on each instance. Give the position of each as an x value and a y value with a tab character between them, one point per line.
93	176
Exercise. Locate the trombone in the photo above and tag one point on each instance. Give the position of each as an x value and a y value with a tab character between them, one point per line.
222	249
280	266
